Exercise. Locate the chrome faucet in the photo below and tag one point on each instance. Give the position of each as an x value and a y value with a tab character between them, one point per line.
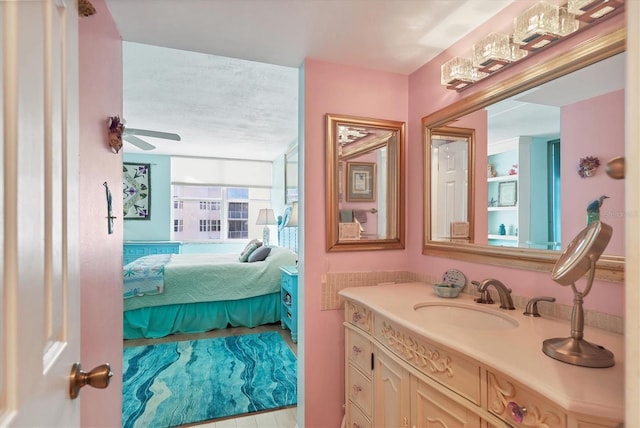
503	292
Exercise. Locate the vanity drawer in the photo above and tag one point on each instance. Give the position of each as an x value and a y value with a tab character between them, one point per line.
357	419
453	370
358	315
358	349
359	389
506	398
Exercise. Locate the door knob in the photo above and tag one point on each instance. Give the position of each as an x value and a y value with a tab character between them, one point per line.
99	377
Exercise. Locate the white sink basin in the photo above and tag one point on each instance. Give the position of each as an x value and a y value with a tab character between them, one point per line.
469	317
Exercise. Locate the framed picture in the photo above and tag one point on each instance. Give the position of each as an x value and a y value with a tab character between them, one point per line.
361	181
136	190
507	196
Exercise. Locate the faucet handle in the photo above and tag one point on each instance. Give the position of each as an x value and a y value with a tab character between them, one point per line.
485	296
531	310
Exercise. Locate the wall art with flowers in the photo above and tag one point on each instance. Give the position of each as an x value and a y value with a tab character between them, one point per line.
136	189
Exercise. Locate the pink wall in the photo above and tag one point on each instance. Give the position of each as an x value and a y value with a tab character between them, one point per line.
100	50
331	88
594	127
338	89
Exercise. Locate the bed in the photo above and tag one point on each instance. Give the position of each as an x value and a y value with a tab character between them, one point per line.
192	293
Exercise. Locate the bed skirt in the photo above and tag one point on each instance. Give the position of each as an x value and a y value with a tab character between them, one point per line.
159	321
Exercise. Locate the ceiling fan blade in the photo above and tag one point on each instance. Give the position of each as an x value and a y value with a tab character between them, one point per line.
155	134
138	142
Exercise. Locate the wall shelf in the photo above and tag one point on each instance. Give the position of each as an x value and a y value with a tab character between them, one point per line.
503	178
513	208
503	237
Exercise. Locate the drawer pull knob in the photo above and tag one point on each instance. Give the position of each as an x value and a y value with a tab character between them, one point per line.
356	388
355	425
517	413
356	351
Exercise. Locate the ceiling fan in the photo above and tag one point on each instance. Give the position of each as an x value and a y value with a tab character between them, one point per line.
131	135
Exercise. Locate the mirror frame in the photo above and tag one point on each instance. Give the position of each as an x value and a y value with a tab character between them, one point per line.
609	267
395	197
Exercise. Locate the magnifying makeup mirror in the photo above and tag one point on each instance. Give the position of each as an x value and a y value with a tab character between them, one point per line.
577	259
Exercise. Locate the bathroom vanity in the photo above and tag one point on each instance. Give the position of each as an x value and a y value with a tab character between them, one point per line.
413	359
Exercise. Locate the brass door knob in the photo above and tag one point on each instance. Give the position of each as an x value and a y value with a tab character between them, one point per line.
99	377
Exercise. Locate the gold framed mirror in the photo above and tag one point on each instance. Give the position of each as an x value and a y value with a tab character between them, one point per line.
481	249
364	183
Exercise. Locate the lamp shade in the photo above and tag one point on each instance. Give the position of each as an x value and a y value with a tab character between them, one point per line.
293	218
266	216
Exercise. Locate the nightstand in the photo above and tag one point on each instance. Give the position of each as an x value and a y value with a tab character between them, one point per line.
289	300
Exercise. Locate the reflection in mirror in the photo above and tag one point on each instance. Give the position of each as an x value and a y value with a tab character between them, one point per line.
365	179
452	165
530	132
291	174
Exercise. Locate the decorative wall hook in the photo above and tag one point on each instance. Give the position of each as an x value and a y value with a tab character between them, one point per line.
116	128
110	216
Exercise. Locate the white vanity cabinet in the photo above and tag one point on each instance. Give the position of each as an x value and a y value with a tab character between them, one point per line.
402	399
397	377
358	367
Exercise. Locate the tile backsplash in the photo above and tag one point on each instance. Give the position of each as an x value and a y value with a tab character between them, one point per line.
332	283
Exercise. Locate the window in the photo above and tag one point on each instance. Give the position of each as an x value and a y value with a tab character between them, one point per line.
209	225
210	205
238	220
211	212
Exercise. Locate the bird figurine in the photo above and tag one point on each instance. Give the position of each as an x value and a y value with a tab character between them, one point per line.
593	209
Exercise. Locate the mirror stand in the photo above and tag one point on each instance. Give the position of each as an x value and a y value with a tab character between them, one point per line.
580	255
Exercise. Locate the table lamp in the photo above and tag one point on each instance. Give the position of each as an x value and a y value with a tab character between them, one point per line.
266	217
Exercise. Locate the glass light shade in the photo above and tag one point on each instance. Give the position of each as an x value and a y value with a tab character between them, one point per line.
567	23
492	52
542	24
458	72
516	52
590	10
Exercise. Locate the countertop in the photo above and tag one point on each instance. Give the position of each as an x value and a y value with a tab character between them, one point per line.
515	352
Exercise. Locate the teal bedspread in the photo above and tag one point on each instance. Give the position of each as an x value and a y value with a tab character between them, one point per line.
191	278
160	321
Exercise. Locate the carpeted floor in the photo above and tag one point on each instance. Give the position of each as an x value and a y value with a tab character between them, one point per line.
177	383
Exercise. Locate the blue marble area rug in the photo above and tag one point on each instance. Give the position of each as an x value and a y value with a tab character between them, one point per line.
177	383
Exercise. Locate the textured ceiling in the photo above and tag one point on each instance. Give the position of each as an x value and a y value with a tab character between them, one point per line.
246	107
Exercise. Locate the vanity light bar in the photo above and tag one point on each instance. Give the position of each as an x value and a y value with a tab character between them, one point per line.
542	24
459	72
590	10
536	28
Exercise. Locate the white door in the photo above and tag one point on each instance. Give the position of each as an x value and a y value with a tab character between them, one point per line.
451	188
39	294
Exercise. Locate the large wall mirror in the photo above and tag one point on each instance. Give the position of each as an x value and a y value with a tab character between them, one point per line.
365	183
529	131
